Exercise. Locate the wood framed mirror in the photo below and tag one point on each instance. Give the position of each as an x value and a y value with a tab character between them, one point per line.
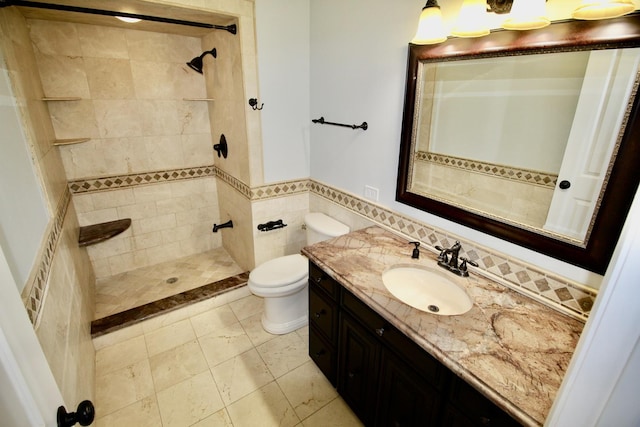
561	164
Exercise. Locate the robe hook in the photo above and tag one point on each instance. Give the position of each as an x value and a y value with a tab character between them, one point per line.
254	104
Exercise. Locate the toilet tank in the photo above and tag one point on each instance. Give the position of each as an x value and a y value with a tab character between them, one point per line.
322	227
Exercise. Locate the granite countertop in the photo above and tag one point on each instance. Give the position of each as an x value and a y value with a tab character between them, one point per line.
511	348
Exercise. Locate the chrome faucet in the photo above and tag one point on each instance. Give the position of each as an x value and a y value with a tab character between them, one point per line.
449	259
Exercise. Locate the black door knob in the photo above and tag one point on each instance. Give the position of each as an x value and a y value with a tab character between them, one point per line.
83	415
564	184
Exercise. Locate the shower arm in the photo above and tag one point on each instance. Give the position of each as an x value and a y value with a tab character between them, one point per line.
25	3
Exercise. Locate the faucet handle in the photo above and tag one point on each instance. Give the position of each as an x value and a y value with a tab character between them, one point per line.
463	266
443	253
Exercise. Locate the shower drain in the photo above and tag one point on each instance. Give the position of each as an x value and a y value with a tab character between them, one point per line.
172	280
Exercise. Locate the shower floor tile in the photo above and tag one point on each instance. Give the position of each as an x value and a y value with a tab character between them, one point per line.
138	287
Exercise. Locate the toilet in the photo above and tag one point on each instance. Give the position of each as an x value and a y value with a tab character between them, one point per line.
282	282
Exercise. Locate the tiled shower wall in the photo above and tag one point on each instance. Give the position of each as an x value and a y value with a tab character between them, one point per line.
168	221
59	298
136	106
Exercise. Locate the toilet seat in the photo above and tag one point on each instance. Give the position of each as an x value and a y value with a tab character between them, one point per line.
280	271
279	277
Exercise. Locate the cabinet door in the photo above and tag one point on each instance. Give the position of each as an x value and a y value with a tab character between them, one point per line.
323	354
358	368
405	398
473	409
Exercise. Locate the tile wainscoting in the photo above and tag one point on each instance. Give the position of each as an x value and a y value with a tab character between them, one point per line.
569	297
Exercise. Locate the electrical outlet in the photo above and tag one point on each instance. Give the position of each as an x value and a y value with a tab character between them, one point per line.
371	193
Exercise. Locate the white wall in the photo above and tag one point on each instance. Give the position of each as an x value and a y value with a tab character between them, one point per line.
282	29
23	213
358	71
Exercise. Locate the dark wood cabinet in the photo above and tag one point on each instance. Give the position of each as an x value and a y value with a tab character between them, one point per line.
467	407
405	398
323	322
385	377
358	368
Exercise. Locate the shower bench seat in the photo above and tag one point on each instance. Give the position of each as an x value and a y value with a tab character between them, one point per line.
96	233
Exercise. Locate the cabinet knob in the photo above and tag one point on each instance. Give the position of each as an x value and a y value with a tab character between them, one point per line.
485	421
320	353
319	313
351	374
380	331
319	278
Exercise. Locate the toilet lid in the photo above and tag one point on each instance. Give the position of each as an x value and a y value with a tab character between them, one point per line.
280	271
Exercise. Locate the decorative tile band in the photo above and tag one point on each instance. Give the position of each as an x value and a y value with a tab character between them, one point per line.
234	182
89	185
525	175
38	287
568	297
286	188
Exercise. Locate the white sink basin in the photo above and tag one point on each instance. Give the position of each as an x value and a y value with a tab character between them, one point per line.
427	289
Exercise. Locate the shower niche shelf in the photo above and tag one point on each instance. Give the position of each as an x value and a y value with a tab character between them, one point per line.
96	233
71	141
61	98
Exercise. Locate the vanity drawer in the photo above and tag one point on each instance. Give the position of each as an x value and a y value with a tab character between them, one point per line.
323	314
323	355
397	342
320	279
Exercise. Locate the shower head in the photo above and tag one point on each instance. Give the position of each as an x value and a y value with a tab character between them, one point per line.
196	63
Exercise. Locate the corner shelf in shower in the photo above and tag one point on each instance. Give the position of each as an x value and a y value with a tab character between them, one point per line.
59	142
61	98
96	233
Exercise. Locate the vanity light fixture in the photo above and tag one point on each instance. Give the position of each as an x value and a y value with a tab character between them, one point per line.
602	9
522	15
526	15
430	27
472	20
196	63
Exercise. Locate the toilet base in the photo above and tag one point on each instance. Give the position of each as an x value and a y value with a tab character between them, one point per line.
286	313
284	328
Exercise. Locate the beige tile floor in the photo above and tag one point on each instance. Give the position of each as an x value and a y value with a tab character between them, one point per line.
137	287
212	364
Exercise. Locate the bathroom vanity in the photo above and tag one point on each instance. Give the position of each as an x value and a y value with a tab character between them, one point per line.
498	364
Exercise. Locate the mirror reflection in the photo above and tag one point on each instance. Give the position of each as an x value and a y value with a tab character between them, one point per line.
527	139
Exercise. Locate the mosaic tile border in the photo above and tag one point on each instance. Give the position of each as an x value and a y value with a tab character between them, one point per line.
89	185
566	296
286	188
542	179
38	289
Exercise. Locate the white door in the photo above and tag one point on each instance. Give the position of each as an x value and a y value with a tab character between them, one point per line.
608	82
29	395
